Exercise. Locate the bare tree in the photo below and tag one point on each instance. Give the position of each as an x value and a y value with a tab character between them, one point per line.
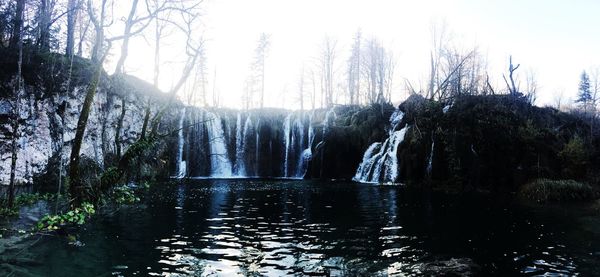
258	66
378	71
72	10
162	16
326	62
595	86
439	40
313	97
194	48
248	94
531	87
198	88
460	73
99	22
140	23
354	65
215	95
510	83
301	88
559	96
17	31
43	19
83	29
134	24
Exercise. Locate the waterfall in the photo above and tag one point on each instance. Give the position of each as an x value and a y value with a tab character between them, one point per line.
257	148
297	141
219	158
181	164
247	144
286	142
248	135
380	161
239	166
430	160
299	135
307	152
363	172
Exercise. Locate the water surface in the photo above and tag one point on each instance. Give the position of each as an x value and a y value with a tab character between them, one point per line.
282	227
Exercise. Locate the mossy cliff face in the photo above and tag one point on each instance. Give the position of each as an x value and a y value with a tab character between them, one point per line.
493	142
345	141
49	109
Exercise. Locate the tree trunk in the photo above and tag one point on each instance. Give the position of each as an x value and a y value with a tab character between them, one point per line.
17	25
97	48
71	15
44	26
13	158
120	126
126	36
76	186
15	123
146	120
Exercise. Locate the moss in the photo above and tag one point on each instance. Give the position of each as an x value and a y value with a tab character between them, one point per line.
547	190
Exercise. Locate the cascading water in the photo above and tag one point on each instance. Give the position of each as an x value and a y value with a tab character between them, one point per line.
247	144
257	149
380	161
307	152
248	136
286	142
430	159
219	158
295	144
181	164
239	166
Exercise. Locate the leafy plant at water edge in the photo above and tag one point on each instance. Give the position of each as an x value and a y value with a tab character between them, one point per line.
75	216
124	195
23	200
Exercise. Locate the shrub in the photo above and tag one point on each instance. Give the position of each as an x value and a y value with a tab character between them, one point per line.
546	190
574	158
124	195
75	216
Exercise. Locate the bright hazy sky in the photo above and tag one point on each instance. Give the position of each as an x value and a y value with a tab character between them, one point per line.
554	39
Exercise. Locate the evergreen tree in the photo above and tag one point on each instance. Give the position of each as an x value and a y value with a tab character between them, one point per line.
585	94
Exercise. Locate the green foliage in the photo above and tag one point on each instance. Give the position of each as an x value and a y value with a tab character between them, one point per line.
574	158
545	190
30	198
23	200
124	195
110	176
135	151
75	216
6	211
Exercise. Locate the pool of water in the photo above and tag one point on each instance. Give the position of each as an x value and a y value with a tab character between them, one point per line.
279	227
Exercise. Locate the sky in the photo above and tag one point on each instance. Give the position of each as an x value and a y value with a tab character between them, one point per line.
553	40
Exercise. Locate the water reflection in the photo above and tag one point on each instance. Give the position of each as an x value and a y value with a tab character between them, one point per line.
277	228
